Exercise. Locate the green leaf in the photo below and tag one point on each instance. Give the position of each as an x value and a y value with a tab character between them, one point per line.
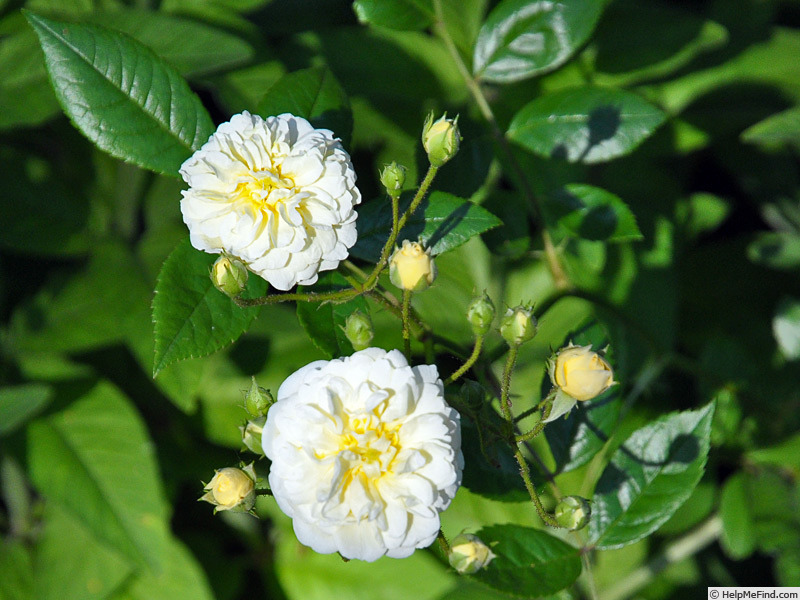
96	460
649	477
585	124
324	323
20	403
22	75
180	579
701	213
123	97
442	222
784	454
575	440
529	563
786	327
192	48
97	306
395	14
738	539
191	317
775	131
315	95
71	563
776	249
592	213
521	38
17	569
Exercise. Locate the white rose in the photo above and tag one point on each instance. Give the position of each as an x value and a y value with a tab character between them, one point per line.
275	193
365	454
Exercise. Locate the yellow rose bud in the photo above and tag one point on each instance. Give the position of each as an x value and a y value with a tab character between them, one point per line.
231	489
229	276
581	373
468	554
411	267
441	139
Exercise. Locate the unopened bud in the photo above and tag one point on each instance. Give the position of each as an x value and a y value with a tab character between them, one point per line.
580	372
473	394
468	554
358	329
232	489
393	177
480	314
573	512
229	276
411	267
518	325
257	400
251	435
441	139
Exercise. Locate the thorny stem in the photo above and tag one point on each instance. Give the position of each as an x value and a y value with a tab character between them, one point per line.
406	330
505	385
560	277
525	472
537	429
476	351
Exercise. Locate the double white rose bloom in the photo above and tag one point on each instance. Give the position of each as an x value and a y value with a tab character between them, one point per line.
365	454
275	193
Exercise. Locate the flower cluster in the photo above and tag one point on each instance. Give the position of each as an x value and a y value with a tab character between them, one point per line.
274	193
365	454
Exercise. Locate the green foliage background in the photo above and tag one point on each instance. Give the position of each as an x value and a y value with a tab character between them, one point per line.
661	140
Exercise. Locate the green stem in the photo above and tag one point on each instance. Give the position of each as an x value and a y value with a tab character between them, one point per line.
264	492
476	351
404	317
335	296
538	428
505	384
525	472
560	277
679	550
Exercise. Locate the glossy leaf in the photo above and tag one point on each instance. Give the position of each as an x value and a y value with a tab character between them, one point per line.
191	317
521	38
191	47
123	97
777	250
395	14
649	477
72	563
585	124
442	222
575	439
324	323
95	459
20	403
315	95
529	561
592	213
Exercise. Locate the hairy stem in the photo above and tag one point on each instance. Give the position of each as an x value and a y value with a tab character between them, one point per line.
406	329
476	351
505	384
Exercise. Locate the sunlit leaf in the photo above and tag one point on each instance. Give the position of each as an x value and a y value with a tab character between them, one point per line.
521	38
395	14
123	97
191	317
649	477
585	124
96	460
